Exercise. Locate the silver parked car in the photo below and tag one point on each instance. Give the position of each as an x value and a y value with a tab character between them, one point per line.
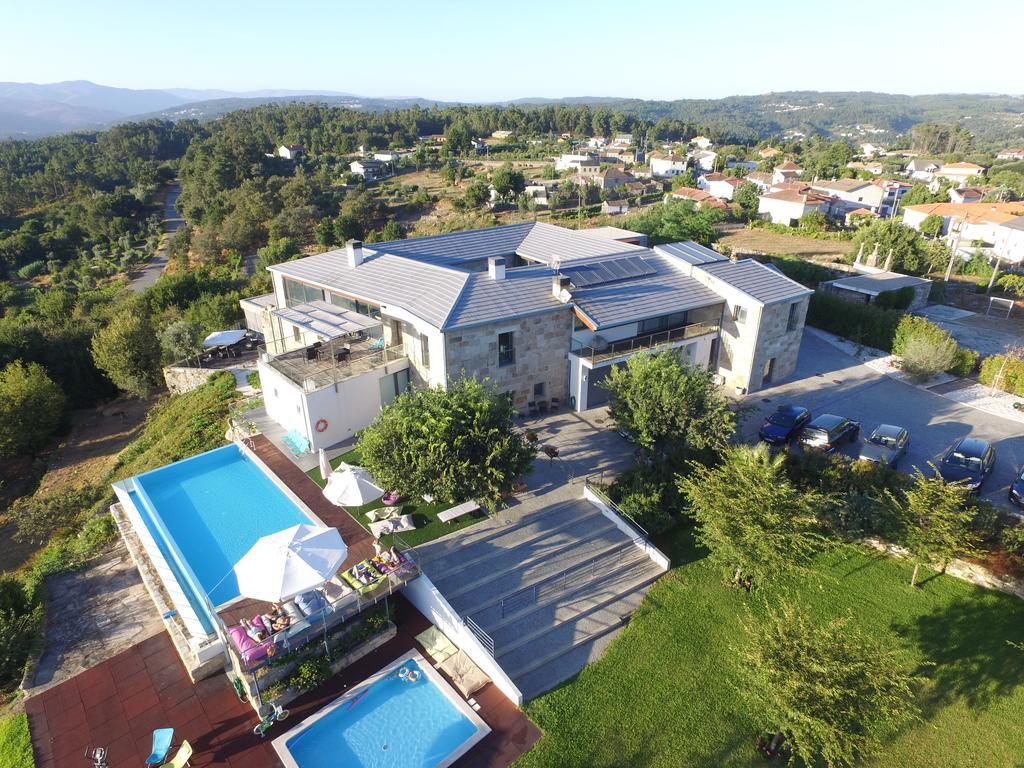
886	445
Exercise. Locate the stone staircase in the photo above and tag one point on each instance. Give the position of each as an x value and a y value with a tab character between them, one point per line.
550	590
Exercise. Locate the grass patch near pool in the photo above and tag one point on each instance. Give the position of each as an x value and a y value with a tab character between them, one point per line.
428	527
15	743
665	694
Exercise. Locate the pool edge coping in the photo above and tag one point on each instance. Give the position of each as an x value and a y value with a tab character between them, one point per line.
482	728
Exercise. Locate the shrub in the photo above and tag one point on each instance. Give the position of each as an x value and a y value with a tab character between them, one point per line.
901	298
39	517
1011	284
965	364
1006	372
862	323
253	379
31	408
646	508
310	674
804	272
32	269
926	350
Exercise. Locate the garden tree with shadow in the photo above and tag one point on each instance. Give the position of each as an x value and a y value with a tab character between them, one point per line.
755	523
910	251
748	197
508	182
677	220
668	406
128	351
455	445
31	408
936	522
830	693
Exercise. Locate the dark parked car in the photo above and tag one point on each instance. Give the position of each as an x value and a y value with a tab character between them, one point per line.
886	445
825	432
782	426
1017	491
970	460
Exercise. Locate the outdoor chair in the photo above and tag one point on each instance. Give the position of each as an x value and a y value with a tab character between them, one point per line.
161	745
180	760
555	403
531	408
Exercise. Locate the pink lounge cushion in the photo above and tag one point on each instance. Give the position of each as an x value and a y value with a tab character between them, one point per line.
249	648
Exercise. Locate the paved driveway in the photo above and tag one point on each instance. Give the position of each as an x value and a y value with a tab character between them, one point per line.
145	277
830	381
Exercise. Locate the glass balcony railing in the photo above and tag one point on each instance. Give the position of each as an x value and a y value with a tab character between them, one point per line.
598	351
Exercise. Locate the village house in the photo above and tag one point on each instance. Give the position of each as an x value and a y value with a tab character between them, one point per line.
666	166
787	206
719	185
290	151
371	169
703	160
959	173
701	142
787	171
967	194
966	224
921	169
1011	154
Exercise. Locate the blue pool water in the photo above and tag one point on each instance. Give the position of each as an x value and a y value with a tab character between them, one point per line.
214	506
396	723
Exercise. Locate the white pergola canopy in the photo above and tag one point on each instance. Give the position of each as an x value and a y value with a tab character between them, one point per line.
282	565
223	338
326	320
350	486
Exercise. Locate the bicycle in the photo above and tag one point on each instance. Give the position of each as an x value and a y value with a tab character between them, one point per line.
275	714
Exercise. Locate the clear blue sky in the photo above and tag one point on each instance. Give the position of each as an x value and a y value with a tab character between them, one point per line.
482	50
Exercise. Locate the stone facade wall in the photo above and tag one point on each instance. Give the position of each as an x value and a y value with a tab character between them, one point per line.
775	340
180	380
541	345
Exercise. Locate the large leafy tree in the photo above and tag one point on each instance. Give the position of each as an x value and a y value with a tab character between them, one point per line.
128	351
755	523
455	444
31	407
668	405
910	251
936	521
831	691
508	182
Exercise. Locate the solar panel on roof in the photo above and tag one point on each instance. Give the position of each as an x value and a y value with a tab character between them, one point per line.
610	271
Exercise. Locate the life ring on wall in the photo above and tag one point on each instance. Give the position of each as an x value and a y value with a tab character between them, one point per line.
321	425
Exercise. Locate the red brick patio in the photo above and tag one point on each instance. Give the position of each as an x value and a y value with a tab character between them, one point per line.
118	703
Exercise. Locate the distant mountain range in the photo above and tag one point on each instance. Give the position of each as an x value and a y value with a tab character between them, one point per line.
28	110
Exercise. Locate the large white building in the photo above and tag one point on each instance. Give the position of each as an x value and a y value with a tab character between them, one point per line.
543	312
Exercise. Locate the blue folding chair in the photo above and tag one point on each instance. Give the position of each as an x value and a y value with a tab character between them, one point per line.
161	745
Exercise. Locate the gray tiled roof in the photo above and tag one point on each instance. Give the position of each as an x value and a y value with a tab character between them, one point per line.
426	290
1017	223
877	282
546	242
454	248
756	280
690	252
524	291
666	291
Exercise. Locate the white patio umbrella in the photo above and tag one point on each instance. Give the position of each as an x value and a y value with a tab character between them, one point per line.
287	563
350	486
325	465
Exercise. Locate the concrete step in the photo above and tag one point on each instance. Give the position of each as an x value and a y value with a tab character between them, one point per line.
568	665
493	591
545	652
520	558
526	626
485	538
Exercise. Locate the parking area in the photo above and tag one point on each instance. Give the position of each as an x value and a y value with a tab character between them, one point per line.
829	381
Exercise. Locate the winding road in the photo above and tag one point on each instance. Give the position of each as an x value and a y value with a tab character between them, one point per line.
143	278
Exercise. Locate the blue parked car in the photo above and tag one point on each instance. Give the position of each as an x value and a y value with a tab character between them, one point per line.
782	426
1017	491
970	461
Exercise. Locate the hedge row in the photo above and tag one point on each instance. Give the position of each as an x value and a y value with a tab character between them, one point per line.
1004	372
861	323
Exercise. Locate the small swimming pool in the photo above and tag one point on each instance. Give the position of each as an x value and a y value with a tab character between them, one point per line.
387	721
204	513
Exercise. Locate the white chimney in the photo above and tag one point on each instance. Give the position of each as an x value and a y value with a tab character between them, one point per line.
560	287
354	249
496	267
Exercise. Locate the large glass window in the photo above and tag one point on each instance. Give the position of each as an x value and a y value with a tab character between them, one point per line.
663	322
794	316
355	306
425	351
506	349
299	293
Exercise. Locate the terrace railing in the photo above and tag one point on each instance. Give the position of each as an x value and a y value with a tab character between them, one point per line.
315	368
485	639
638	343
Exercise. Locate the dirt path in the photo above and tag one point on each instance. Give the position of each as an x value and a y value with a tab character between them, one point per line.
97	437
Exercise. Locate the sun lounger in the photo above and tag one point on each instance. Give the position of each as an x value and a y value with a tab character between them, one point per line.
381	513
436	644
393	525
335	589
249	649
372	577
465	675
182	757
162	738
456	512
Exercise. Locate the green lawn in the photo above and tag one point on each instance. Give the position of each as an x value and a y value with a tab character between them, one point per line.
15	745
665	692
428	527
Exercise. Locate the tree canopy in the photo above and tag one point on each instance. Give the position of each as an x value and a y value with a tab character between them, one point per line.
456	444
668	405
128	351
831	691
31	408
753	520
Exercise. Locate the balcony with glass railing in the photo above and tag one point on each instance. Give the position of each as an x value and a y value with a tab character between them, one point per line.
600	350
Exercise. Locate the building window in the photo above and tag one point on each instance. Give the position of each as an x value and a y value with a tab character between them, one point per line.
506	349
425	351
296	333
794	316
739	314
369	310
299	293
664	322
538	389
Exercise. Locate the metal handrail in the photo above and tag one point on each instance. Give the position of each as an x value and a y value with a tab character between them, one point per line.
598	490
485	639
649	341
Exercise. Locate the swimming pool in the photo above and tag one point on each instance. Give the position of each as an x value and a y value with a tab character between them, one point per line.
204	513
387	721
